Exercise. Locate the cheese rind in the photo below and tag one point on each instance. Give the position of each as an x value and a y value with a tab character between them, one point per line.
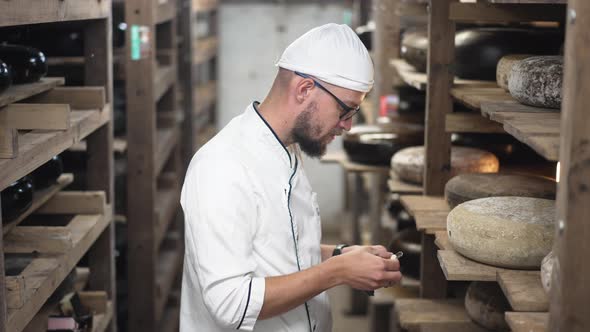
486	304
504	68
537	81
511	232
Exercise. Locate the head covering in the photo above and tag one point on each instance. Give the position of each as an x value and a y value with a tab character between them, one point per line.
332	53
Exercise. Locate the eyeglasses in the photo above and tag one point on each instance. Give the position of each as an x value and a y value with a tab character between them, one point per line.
348	113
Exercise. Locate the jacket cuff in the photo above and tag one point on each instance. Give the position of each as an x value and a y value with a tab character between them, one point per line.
253	305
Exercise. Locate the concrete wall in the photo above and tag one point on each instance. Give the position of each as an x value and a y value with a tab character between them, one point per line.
253	37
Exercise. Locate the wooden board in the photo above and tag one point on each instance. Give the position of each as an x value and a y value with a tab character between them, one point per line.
166	11
165	76
350	166
22	91
459	268
497	13
473	96
523	290
400	187
17	12
420	204
166	141
204	96
204	5
37	147
441	239
527	321
169	266
35	116
205	49
413	313
431	221
78	97
167	206
471	123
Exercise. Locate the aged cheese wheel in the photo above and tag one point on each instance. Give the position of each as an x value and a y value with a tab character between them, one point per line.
486	304
505	66
512	232
466	187
414	49
537	81
546	270
408	163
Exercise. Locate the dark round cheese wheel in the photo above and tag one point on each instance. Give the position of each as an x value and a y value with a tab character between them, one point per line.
414	49
373	144
409	242
504	68
408	163
486	304
466	187
512	232
27	64
537	81
5	77
16	199
47	174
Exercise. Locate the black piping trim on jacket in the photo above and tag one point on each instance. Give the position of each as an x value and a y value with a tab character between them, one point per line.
254	105
247	303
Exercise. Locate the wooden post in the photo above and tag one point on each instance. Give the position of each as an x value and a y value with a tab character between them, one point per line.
2	281
441	50
385	47
99	72
570	285
186	78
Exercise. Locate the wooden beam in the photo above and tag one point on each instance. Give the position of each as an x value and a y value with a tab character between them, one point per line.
95	300
35	116
15	291
22	91
524	290
528	321
471	123
569	304
8	143
18	12
75	202
79	98
496	13
43	239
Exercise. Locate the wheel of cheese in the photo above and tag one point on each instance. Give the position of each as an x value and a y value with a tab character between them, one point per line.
504	68
467	187
408	163
486	304
512	232
546	270
537	81
414	49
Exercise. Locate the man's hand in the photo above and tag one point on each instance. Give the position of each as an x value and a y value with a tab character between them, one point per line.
368	267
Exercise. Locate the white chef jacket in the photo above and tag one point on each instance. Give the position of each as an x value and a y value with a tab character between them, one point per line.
250	213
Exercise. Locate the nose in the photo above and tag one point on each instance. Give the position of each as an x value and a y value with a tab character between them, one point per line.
345	124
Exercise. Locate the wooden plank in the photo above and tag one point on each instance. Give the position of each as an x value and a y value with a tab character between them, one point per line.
509	108
527	321
167	206
79	98
459	268
473	96
431	221
205	49
545	145
471	123
14	291
499	13
413	313
163	80
44	239
36	147
166	12
415	204
75	202
529	1
166	140
65	60
96	301
35	116
204	5
205	96
100	322
8	143
569	311
19	92
18	12
524	290
442	240
169	265
543	124
400	187
410	9
82	274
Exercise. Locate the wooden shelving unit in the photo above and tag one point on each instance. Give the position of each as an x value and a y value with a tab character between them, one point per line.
557	136
60	227
154	160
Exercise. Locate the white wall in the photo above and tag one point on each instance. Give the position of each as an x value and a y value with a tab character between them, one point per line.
253	36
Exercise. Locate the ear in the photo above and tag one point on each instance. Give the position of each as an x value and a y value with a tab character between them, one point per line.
303	89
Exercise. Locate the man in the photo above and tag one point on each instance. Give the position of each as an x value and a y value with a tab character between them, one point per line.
253	255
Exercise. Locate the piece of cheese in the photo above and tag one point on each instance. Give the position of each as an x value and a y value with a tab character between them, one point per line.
466	187
486	304
504	68
537	81
546	270
408	163
511	232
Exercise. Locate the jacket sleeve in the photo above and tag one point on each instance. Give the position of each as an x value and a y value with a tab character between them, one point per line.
221	220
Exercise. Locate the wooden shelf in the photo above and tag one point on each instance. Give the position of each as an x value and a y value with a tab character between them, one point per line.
169	265
22	91
527	321
167	204
38	146
166	12
462	122
398	186
460	268
119	146
19	12
204	5
441	240
524	290
57	256
205	49
502	12
66	61
40	197
166	140
205	96
537	127
351	166
416	314
417	204
163	79
527	2
101	321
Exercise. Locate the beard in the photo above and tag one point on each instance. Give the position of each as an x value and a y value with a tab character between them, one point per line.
304	132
